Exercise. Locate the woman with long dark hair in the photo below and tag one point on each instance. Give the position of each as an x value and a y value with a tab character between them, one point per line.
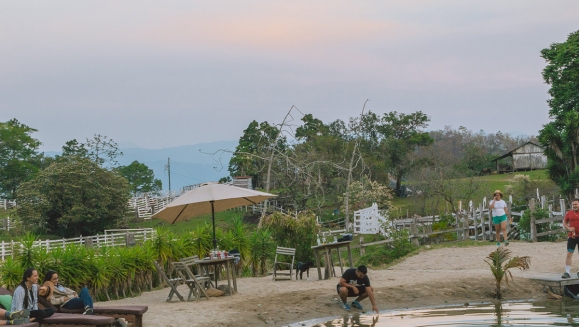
67	298
26	297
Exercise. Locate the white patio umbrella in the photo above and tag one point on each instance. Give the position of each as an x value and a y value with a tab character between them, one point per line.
210	198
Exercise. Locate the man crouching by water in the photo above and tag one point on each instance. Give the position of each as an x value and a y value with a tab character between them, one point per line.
354	282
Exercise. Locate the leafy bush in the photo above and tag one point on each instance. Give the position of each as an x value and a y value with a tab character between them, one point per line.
379	255
294	232
524	225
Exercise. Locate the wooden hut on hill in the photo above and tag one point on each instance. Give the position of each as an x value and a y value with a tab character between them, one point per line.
528	156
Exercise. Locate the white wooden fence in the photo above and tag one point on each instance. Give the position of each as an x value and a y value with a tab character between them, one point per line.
7	204
116	237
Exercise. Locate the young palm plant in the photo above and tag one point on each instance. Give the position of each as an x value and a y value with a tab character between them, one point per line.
500	262
28	251
262	248
11	273
202	240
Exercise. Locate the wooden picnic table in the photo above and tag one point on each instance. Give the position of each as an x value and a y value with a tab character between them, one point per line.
216	263
327	253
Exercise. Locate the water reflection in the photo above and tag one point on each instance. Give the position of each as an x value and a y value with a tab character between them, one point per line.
551	313
352	320
499	313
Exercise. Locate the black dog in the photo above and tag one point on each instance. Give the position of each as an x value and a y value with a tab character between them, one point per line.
304	267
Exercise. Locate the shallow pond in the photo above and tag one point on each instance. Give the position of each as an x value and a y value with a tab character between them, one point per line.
549	313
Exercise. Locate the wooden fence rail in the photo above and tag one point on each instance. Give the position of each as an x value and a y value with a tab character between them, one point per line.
128	237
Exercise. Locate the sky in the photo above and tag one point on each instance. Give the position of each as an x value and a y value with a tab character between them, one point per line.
159	74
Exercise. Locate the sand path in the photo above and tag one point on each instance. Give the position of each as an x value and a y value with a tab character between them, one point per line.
432	277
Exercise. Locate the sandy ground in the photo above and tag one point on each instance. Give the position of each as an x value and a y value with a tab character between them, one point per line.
430	278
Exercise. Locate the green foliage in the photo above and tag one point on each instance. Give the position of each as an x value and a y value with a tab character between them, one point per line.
402	136
524	225
500	263
19	159
523	188
27	250
262	247
73	197
380	255
366	192
203	240
446	222
11	272
560	135
294	232
256	143
100	150
141	178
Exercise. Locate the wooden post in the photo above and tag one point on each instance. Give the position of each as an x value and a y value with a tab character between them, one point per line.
482	222
129	239
533	225
490	214
414	231
543	201
473	215
562	205
466	233
509	206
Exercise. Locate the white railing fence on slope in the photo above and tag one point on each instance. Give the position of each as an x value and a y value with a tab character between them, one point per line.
111	238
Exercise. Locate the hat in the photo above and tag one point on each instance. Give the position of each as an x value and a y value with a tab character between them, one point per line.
363	269
46	289
498	192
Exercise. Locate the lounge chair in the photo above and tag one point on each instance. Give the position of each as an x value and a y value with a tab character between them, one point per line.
132	314
103	316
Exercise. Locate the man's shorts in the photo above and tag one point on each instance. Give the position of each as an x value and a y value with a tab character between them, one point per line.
361	290
497	220
572	243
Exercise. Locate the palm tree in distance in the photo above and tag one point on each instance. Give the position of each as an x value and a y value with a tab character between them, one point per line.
500	262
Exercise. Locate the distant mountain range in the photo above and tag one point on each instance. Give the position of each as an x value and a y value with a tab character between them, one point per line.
190	164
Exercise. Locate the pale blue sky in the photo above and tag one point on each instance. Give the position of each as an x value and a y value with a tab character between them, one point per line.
168	73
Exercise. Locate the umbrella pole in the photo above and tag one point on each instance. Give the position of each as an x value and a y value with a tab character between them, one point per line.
213	219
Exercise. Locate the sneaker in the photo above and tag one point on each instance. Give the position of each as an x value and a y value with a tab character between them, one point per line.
566	275
506	243
119	322
347	307
88	311
19	314
357	305
498	243
19	321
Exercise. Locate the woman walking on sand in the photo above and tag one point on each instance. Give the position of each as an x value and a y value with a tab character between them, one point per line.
499	211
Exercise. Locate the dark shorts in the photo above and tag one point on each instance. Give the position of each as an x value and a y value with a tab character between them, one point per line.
572	243
361	290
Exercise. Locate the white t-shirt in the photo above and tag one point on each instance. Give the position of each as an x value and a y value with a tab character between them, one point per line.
499	209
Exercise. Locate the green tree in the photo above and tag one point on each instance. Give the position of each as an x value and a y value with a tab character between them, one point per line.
254	148
100	149
402	135
561	135
73	197
19	159
74	148
141	178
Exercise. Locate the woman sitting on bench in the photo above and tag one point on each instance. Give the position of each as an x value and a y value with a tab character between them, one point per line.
25	297
65	297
